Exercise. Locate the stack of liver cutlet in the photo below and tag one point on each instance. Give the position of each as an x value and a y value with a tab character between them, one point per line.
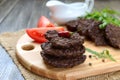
63	52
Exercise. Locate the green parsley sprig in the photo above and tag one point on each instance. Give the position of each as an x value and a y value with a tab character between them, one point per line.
106	16
104	54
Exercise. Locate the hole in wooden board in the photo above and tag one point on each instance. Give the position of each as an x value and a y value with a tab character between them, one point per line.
28	47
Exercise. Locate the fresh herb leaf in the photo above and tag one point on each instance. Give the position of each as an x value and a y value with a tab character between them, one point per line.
104	54
102	26
93	52
106	16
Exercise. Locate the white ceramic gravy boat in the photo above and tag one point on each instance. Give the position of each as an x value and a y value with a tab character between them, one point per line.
61	12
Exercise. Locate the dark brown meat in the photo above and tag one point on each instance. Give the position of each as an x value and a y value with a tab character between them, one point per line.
62	62
63	52
89	28
113	35
67	53
96	34
61	42
72	25
50	34
84	26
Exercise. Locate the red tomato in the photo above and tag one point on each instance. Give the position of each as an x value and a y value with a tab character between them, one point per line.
44	22
38	33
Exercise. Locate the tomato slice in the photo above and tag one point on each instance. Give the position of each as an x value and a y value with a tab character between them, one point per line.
38	33
44	22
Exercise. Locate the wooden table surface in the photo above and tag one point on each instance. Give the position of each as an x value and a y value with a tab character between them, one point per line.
20	14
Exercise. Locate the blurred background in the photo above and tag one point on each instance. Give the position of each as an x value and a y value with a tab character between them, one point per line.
20	14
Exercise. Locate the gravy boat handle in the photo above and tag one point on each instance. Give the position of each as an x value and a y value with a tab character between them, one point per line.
90	4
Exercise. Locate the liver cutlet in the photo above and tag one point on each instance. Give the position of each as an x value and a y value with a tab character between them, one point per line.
113	35
66	53
62	62
72	25
61	42
50	34
96	34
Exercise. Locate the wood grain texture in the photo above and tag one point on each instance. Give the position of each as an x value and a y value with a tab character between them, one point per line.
28	54
5	8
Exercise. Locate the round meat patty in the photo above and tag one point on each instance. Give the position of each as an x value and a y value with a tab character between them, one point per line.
84	26
72	25
67	53
113	35
61	42
50	34
97	35
62	62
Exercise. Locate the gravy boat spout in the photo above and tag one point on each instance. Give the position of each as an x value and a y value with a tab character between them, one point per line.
55	5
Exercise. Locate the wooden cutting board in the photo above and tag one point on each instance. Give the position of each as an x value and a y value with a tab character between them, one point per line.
28	54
